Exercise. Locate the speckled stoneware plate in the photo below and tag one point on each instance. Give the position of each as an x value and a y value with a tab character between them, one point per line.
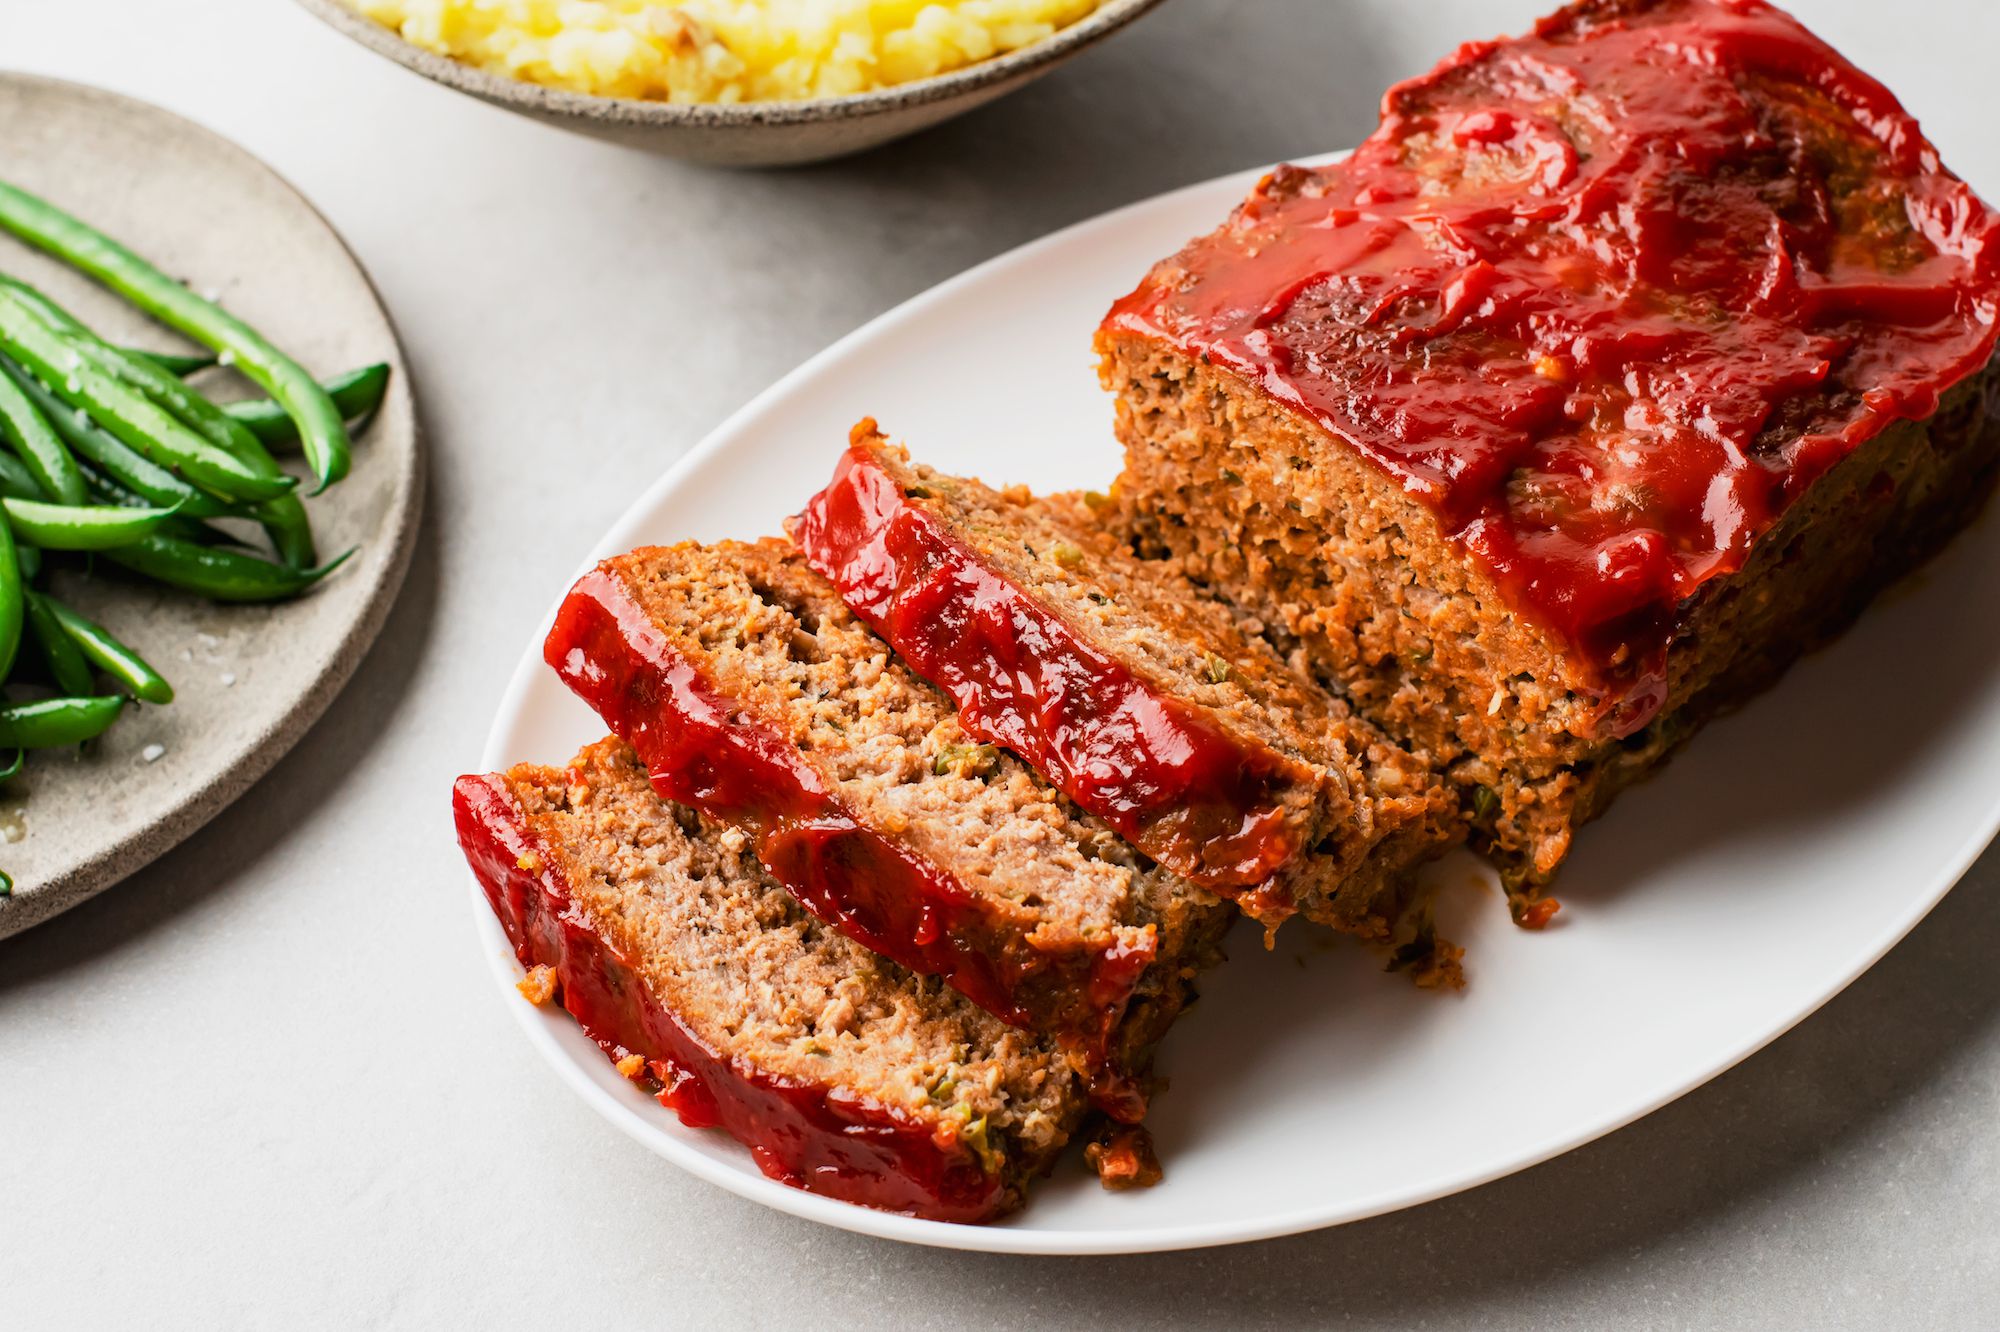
248	680
755	134
1717	905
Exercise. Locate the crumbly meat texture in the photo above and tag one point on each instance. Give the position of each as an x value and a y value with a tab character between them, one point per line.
1042	883
702	979
1349	574
1361	813
724	948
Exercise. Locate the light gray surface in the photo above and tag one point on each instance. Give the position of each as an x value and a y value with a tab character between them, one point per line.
267	1080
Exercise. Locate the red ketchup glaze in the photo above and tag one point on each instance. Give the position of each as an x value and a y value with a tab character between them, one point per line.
704	752
1608	299
1152	767
804	1134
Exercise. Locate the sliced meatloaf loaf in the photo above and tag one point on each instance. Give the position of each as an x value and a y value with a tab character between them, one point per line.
1623	362
678	954
1121	683
754	695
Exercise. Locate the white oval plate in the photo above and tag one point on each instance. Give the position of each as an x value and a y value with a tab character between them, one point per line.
1715	907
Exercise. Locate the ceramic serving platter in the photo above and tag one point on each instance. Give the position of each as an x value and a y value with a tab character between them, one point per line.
1786	850
248	680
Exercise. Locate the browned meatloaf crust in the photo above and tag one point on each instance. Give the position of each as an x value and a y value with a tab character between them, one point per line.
754	695
843	1073
1142	699
1361	573
1376	602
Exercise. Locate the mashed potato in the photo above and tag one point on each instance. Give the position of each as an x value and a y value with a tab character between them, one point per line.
723	50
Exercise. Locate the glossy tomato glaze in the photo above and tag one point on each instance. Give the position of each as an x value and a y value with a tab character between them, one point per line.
1608	299
705	752
1171	782
808	1135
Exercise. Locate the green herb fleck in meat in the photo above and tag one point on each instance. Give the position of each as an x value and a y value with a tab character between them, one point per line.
966	760
976	1137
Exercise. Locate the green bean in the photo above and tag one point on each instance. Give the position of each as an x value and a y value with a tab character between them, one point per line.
175	525
50	722
176	363
38	445
113	657
217	573
115	474
29	558
81	526
147	479
17	482
150	482
164	388
199	533
104	490
193	410
51	313
6	884
121	410
320	428
12	601
357	394
60	653
284	517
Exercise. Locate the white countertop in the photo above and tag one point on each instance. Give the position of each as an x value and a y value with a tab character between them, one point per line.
268	1082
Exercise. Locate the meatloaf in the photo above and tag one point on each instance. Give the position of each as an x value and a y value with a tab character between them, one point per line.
754	695
844	1074
1625	361
1141	698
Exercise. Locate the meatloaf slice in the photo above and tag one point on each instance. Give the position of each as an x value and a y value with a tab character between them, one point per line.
843	1073
1138	696
1622	363
753	694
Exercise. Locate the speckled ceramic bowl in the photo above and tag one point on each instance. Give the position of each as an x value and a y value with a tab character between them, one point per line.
754	134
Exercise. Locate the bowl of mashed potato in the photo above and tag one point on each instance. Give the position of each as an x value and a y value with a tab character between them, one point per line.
733	82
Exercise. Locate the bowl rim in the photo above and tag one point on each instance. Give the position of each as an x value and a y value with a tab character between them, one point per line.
1101	22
